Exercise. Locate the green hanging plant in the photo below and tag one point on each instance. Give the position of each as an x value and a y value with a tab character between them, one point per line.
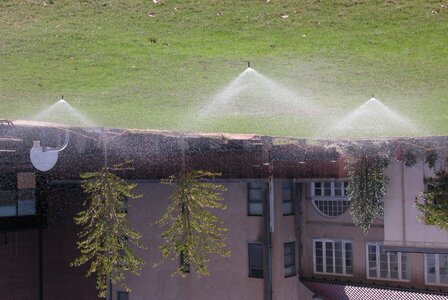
409	157
366	168
106	238
434	206
431	158
193	231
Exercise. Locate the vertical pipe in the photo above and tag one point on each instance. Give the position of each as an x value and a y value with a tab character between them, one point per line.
297	198
268	235
41	285
110	289
271	199
403	205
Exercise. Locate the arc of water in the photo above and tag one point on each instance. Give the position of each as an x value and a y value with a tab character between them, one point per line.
234	88
350	119
46	113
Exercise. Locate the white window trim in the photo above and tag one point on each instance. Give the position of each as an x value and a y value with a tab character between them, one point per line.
437	283
344	267
332	182
332	197
378	264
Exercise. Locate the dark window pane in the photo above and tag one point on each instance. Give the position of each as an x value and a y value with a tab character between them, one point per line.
8	203
287	199
122	296
26	203
255	195
289	258
184	264
256	260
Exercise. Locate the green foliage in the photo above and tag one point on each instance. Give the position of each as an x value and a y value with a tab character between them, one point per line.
431	157
367	183
409	156
193	230
435	202
106	237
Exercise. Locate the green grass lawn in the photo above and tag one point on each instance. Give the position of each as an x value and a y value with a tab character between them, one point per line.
144	65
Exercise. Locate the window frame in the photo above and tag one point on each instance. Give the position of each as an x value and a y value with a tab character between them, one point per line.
119	293
378	253
344	257
183	265
334	201
251	267
291	201
20	210
293	255
251	201
437	269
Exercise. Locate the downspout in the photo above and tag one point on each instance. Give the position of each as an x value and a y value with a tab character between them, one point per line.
268	229
297	198
41	285
403	205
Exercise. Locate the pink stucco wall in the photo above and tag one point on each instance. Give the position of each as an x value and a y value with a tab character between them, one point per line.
229	276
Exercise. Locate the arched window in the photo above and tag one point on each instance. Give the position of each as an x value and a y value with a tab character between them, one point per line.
330	197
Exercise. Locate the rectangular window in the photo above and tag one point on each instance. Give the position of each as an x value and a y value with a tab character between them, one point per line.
333	257
255	198
329	188
256	260
290	259
122	295
387	265
8	203
184	264
288	207
26	204
436	269
17	203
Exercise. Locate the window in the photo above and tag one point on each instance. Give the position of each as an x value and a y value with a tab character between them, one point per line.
290	259
256	260
387	265
288	208
123	243
436	265
333	257
122	295
17	203
184	264
330	197
256	196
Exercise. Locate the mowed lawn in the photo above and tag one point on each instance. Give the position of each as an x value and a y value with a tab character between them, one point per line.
141	64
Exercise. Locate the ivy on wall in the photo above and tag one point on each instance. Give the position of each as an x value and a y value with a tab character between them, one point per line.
106	238
193	230
366	166
434	204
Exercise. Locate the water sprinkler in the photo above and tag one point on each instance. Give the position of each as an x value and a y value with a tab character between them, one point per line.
248	64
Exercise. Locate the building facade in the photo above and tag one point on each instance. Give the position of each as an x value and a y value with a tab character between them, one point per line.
289	227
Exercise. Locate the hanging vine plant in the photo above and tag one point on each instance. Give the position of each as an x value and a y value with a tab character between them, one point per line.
366	166
106	238
434	204
193	230
410	156
431	157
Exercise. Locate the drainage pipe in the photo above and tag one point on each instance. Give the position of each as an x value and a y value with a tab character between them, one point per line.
268	229
41	285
